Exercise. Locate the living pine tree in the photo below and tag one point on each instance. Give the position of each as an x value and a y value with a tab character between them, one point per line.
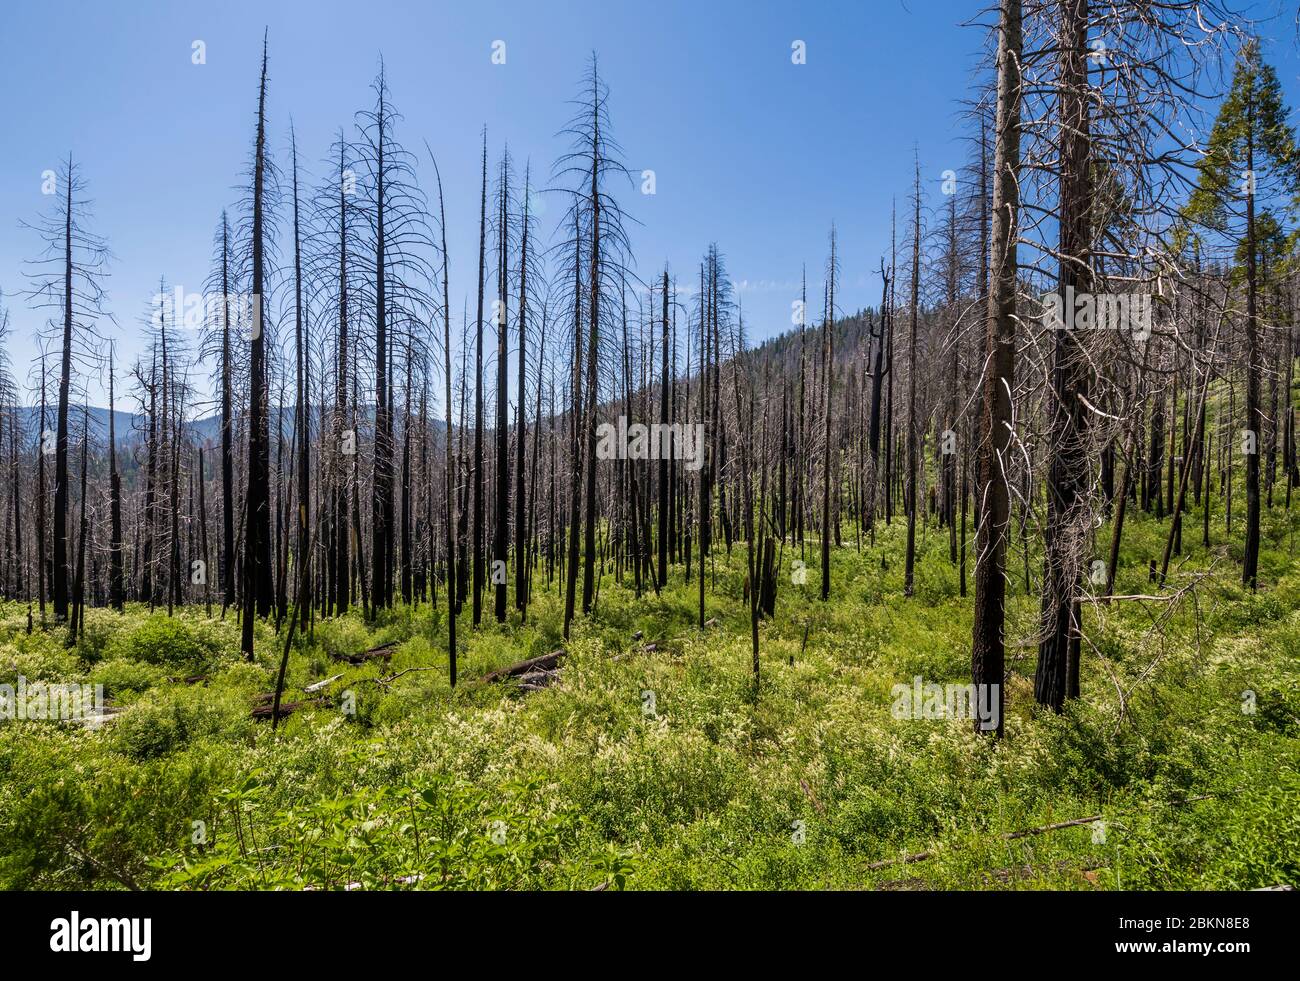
1251	156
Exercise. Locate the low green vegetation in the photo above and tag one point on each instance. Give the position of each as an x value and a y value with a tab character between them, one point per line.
661	769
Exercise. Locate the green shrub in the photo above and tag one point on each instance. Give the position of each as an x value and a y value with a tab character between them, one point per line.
162	640
75	817
38	657
102	626
122	676
169	721
342	637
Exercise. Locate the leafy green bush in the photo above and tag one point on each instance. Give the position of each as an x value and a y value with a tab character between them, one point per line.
101	627
342	637
166	722
122	676
163	640
1278	710
73	816
38	657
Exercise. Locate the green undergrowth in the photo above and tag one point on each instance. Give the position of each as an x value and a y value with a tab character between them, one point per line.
664	769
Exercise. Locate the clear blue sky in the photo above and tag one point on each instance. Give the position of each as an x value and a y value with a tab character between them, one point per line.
750	151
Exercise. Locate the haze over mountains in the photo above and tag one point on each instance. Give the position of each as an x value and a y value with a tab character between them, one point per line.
131	426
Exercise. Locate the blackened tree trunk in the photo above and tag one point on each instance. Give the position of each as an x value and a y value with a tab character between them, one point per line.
575	444
301	423
41	453
913	368
404	520
828	342
992	493
258	584
79	588
147	577
117	595
501	525
342	525
60	576
797	496
664	447
203	532
227	433
1057	676
593	335
381	521
706	501
521	503
448	489
479	485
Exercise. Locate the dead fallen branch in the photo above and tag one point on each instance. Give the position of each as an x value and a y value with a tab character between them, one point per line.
267	707
649	648
803	785
193	679
322	684
537	680
543	662
388	679
384	652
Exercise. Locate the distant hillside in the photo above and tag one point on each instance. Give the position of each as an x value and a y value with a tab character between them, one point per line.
131	426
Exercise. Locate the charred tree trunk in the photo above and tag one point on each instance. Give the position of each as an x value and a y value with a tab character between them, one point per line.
1057	676
257	536
992	492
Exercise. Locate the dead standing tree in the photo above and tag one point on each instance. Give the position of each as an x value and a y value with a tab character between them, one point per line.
992	492
396	256
599	249
68	278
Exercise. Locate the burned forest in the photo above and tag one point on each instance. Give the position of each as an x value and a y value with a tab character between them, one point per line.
443	511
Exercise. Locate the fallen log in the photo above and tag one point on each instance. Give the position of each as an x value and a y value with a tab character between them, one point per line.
537	680
543	662
539	677
384	652
193	679
322	685
649	648
265	711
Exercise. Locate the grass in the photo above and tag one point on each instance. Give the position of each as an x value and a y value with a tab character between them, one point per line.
1184	743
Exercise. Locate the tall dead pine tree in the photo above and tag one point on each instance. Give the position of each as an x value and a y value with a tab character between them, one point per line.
1057	675
992	493
257	587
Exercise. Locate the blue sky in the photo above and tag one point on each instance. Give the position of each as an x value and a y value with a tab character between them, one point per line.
749	150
